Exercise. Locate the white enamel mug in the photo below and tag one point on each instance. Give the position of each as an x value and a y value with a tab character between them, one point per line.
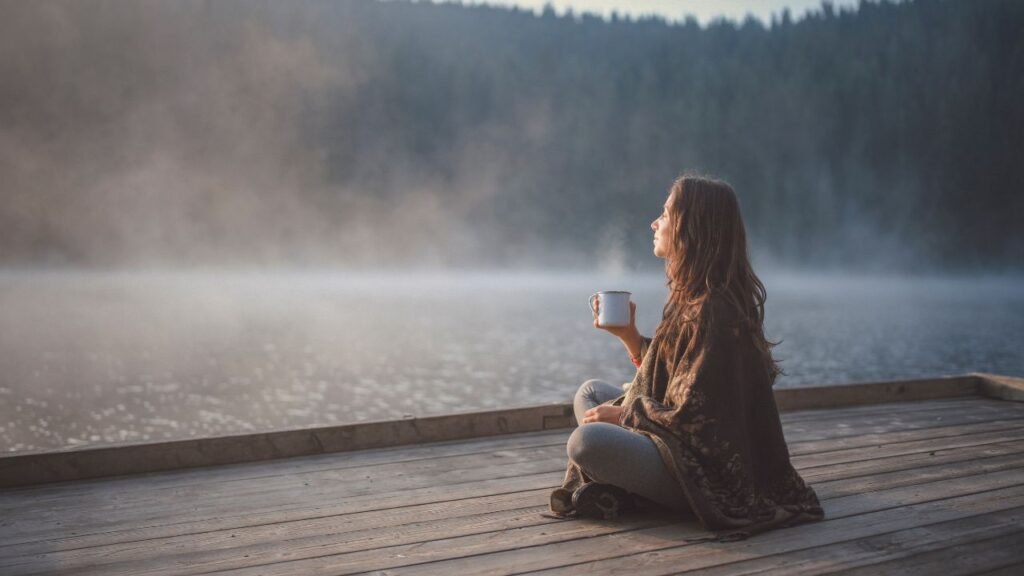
614	309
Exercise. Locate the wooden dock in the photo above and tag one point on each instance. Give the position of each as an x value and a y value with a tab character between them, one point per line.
916	477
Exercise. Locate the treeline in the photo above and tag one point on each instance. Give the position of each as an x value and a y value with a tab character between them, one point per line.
886	136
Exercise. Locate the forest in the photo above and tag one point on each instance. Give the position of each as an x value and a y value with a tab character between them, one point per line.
885	137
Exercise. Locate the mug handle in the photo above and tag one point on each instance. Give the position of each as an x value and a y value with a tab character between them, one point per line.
590	301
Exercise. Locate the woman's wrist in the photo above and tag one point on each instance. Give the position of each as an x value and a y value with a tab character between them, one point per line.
633	342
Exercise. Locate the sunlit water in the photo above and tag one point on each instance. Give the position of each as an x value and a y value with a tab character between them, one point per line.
91	359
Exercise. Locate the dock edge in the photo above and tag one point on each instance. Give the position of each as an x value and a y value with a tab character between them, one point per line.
68	464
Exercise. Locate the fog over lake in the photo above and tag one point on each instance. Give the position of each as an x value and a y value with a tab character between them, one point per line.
89	358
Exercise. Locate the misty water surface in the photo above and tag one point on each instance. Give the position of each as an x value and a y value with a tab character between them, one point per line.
90	358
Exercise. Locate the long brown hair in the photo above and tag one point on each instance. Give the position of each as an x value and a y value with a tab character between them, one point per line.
708	256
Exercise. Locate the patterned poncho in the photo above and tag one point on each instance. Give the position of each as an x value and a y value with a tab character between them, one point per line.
716	426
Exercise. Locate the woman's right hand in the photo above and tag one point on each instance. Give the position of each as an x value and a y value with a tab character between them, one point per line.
623	332
630	336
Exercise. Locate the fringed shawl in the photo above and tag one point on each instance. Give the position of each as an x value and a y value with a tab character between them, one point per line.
723	440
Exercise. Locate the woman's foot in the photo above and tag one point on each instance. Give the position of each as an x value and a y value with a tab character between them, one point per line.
594	500
561	503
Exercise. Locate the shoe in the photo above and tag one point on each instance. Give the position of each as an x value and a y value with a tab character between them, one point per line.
605	501
561	503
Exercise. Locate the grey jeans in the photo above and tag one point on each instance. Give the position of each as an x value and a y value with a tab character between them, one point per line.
611	454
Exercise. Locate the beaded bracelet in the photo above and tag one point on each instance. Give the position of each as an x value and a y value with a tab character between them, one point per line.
636	361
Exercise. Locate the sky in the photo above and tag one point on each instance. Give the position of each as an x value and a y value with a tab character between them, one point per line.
703	10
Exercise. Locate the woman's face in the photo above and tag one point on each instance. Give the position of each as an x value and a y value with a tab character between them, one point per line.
661	231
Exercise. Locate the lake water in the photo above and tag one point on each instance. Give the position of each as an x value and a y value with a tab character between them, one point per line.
91	358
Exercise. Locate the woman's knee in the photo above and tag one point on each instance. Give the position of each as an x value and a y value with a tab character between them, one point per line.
586	398
588	388
585	444
594	392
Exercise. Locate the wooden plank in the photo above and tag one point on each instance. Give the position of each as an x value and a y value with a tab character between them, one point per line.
184	562
1000	386
1008	570
836	488
843	486
346	483
23	469
186	519
968	403
110	512
212	551
886	423
799	447
802	398
848	504
972	403
96	514
933	457
537	548
316	544
349	526
289	466
658	551
125	489
834	472
907	446
955	560
457	508
298	465
378	476
822	442
870	550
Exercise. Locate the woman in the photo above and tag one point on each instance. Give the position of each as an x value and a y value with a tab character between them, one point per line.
697	430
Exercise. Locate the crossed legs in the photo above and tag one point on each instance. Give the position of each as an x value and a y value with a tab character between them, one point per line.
615	455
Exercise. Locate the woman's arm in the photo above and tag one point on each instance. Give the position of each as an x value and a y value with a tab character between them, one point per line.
709	391
636	344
